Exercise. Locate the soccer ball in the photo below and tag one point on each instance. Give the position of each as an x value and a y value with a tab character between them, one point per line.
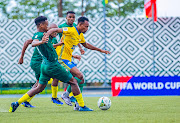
104	103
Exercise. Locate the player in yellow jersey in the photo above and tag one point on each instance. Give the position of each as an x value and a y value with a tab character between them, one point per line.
72	36
70	18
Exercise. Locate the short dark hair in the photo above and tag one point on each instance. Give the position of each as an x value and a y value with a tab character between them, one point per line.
70	12
40	19
82	19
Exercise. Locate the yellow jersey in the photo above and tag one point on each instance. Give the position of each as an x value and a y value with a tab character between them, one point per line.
71	37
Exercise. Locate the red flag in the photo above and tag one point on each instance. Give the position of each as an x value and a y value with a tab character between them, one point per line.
148	8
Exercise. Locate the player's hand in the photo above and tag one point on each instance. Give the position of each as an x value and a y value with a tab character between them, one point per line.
105	51
60	43
45	39
82	51
77	57
20	60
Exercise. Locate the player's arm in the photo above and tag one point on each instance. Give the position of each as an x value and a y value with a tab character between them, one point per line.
91	47
77	57
58	44
26	44
36	42
81	50
60	34
58	30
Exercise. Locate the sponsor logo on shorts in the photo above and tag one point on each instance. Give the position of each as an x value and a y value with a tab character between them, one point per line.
69	63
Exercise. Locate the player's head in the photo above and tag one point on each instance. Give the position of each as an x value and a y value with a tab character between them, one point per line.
70	16
42	23
53	25
83	24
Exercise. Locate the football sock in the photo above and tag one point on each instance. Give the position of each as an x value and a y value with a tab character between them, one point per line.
54	91
30	99
80	100
71	94
24	98
69	89
80	85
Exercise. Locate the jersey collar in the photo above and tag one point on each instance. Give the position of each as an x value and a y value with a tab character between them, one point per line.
77	30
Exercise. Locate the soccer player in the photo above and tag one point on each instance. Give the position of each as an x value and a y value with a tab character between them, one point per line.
50	68
71	37
35	64
70	18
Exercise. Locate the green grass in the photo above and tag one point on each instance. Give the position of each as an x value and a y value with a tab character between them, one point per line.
23	91
124	109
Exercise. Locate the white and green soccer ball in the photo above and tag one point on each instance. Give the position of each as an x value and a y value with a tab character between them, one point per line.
104	103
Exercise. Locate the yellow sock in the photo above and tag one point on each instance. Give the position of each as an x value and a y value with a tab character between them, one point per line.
54	91
71	94
30	99
80	100
24	98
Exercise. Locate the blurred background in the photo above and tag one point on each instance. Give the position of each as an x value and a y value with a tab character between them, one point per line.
138	45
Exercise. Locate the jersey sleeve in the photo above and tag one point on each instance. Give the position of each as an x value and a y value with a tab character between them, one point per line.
82	39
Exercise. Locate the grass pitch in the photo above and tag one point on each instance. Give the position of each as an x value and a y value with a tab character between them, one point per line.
123	109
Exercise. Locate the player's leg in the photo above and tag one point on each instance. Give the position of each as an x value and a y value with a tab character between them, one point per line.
54	88
27	96
75	72
65	76
78	95
43	80
36	67
69	66
27	103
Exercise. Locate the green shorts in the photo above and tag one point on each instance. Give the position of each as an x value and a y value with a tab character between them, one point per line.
36	66
53	70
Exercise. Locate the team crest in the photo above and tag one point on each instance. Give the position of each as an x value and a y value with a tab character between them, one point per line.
65	29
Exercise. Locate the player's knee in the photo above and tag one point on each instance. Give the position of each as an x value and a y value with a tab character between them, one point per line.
82	81
81	85
80	76
73	81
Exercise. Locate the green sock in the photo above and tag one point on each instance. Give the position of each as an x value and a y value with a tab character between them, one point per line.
80	85
69	89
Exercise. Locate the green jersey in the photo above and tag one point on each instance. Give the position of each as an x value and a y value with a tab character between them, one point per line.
36	56
54	41
65	25
46	50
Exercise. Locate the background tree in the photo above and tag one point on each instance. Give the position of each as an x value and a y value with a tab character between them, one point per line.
3	7
124	7
27	9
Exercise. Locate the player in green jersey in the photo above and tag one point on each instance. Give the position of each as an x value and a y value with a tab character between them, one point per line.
50	68
35	64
